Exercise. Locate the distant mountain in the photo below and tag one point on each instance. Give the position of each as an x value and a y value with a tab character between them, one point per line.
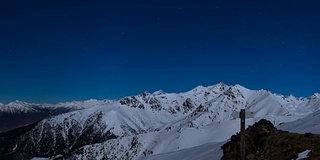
148	124
16	114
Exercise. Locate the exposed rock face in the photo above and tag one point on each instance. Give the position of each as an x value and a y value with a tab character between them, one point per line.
49	140
264	142
8	141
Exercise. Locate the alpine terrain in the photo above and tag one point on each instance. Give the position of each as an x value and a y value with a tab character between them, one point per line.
19	113
190	125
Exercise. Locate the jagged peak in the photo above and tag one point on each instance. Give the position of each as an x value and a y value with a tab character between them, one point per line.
314	96
144	94
222	84
317	95
199	88
159	92
291	97
238	86
217	87
17	102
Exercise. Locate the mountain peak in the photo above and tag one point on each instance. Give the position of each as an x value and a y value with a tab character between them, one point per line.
222	84
239	86
18	103
144	94
159	92
199	88
316	95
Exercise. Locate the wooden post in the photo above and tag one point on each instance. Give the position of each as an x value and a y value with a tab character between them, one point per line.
242	115
242	133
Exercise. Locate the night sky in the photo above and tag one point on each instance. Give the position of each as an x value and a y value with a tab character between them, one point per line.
56	51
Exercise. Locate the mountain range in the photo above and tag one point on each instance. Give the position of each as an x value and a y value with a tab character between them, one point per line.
19	113
189	125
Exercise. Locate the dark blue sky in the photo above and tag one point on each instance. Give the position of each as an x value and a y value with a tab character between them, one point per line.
54	51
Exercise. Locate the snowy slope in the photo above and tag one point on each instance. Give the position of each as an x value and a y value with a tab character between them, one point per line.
310	123
307	124
201	152
148	124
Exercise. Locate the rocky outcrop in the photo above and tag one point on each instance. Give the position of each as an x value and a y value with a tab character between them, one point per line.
264	142
45	139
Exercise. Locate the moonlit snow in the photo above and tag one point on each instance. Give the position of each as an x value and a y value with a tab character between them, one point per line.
189	125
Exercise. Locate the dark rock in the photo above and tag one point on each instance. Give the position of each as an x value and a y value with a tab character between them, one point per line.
308	135
264	142
43	140
187	105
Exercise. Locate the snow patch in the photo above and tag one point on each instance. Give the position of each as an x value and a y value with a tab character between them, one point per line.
303	154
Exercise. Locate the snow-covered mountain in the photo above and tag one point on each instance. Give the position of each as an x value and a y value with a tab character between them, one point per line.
19	113
153	123
24	107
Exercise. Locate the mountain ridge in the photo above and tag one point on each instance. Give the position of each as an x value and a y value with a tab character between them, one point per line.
18	113
26	106
16	103
153	123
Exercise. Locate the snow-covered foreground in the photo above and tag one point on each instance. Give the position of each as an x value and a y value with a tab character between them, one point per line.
307	124
201	152
162	124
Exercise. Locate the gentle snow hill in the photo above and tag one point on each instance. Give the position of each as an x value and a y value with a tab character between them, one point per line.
148	124
308	124
201	152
